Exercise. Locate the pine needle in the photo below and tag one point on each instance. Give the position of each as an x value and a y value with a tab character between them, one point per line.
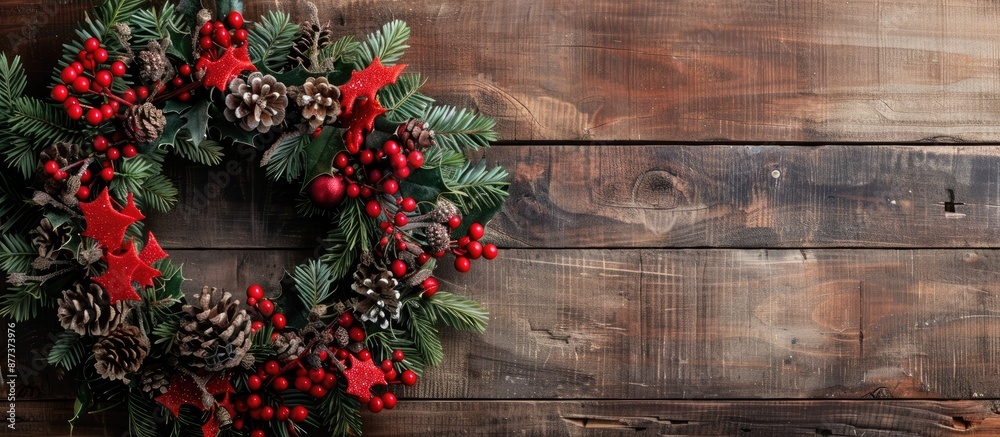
387	44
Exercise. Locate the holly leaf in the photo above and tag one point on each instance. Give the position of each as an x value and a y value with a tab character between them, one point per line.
104	223
219	73
152	252
367	82
320	152
362	375
228	129
192	119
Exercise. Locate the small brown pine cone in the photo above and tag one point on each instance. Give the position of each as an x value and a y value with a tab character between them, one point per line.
416	134
50	240
214	332
305	49
379	298
154	382
444	211
319	100
155	64
120	353
88	310
438	237
144	123
288	346
258	102
342	337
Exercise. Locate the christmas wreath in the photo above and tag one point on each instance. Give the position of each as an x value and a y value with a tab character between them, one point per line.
337	119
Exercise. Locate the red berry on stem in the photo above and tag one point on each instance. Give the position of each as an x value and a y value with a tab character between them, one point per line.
353	190
279	321
251	301
398	355
464	241
221	37
129	151
430	286
374	175
258	433
108	112
206	43
51	167
234	20
272	367
317	391
364	355
100	56
303	383
206	29
357	334
254	401
391	147
462	264
103	78
345	320
69	74
398	268
329	380
86	177
341	354
254	382
375	404
77	66
401	219
390	186
100	143
61	175
113	153
142	92
177	81
75	112
257	325
408	204
299	414
91	44
490	251
81	85
454	222
416	159
280	383
340	160
476	231
255	291
474	249
408	378
402	172
94	116
391	375
373	209
366	157
389	400
423	258
366	193
240	36
282	414
117	68
397	161
386	365
317	375
266	307
107	174
266	413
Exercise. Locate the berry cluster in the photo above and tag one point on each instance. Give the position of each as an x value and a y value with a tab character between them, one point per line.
215	36
91	75
315	371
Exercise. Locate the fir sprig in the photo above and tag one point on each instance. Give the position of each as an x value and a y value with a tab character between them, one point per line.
402	100
68	350
424	332
460	129
386	44
270	40
16	253
288	158
457	312
479	188
22	303
314	282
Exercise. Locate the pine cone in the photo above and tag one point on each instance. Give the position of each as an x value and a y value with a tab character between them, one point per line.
438	237
444	211
88	311
50	240
120	353
376	285
288	346
154	382
257	103
314	37
215	332
342	337
320	101
144	123
155	64
416	134
63	154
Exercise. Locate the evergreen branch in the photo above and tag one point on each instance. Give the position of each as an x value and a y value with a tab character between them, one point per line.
314	283
165	332
150	24
439	157
114	11
29	126
12	83
288	158
338	256
261	345
475	187
351	232
157	192
142	176
271	38
342	413
384	342
387	44
402	100
141	411
456	311
424	333
459	129
21	303
342	50
67	352
16	254
208	152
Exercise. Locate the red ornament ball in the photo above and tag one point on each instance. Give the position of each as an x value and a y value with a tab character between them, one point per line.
327	191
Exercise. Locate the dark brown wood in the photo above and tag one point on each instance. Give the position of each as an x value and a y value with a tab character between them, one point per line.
879	418
771	70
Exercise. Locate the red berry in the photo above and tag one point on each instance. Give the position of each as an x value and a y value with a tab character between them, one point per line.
366	157
366	193
70	101
374	175
391	375
234	20
94	116
375	404
91	44
476	231
299	414
115	105
490	251
373	209
100	143
129	95
401	219
341	354
206	43
280	383
254	382
257	325
240	36
317	375
81	85
462	264
88	64
282	413
142	92
185	96
100	56
107	174
390	186
317	391
266	413
251	301
423	258
51	167
221	37
303	383
258	433
353	190
329	380
454	222
386	365
177	81
272	368
77	66
206	29
389	400
408	378
398	355
129	151
340	160
279	321
364	355
464	241
69	74
438	254
474	249
402	172
398	268
391	147
238	423
430	286
408	204
86	176
274	337
416	159
255	291
103	78
117	68
61	175
107	111
345	320
397	161
112	153
254	401
401	246
357	334
184	70
266	307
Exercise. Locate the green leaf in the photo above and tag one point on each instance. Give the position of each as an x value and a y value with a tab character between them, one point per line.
456	311
402	100
387	44
141	411
270	40
340	52
67	352
314	282
164	24
224	7
21	303
320	151
84	400
186	131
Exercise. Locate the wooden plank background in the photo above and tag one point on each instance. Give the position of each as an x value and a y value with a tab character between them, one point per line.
775	217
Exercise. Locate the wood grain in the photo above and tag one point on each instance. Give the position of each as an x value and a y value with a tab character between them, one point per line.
770	70
878	418
658	196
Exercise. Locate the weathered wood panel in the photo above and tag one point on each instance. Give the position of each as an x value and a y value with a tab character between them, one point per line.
878	418
659	196
770	70
702	324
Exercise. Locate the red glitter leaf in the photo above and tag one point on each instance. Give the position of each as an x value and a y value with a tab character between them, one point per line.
364	117
361	377
122	270
210	428
152	252
367	82
104	224
130	209
185	390
235	61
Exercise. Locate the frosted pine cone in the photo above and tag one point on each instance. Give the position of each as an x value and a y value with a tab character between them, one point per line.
438	237
258	102
379	300
320	101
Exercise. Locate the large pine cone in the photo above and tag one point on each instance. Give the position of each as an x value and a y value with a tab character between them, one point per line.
314	37
88	311
144	123
120	353
379	300
319	100
416	134
257	103
51	240
214	333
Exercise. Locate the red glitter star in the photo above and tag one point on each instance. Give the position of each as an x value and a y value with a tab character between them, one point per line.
361	377
152	252
367	82
183	389
130	209
231	64
122	270
104	224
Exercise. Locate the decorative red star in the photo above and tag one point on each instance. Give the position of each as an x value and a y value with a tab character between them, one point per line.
231	64
367	82
104	224
184	390
361	377
122	270
361	120
152	252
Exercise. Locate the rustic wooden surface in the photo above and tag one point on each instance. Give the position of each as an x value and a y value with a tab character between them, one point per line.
726	218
